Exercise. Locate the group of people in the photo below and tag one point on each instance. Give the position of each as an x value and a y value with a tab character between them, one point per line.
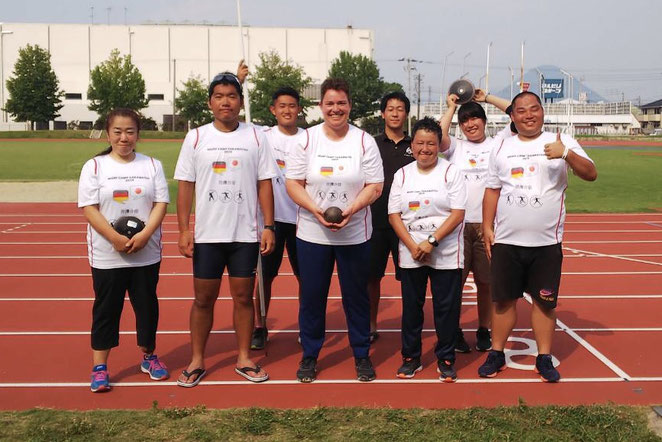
439	205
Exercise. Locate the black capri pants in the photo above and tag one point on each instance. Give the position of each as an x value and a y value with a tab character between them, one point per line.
110	287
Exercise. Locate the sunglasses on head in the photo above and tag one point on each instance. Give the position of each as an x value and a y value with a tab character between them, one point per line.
226	77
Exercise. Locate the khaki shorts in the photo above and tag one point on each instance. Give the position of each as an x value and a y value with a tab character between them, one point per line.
475	258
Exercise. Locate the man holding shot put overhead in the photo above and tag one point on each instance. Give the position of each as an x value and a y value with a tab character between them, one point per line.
334	164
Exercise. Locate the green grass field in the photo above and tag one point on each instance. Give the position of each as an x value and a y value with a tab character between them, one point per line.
629	180
522	423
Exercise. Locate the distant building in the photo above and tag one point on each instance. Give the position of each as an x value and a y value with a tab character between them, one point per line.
651	116
168	53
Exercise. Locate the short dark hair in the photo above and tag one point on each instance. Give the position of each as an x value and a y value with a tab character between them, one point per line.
336	84
521	94
395	95
427	124
285	90
226	78
120	112
471	110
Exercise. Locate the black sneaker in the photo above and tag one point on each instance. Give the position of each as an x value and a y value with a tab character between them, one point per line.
545	368
483	339
307	370
409	368
461	345
496	361
446	371
259	339
364	370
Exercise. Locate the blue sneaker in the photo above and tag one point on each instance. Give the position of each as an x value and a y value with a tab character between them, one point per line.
100	379
495	362
155	368
545	368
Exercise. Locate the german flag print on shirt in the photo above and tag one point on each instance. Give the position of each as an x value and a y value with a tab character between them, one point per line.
281	164
517	172
326	171
414	205
219	166
120	196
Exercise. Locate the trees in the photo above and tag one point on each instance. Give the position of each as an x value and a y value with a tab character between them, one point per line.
34	93
272	73
191	102
116	83
365	83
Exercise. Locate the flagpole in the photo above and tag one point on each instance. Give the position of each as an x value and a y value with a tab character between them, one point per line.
247	101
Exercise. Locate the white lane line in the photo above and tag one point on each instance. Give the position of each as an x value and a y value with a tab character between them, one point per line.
604	255
654	224
624	241
562	297
174	232
13	229
272	381
66	275
635	255
339	331
584	343
651	241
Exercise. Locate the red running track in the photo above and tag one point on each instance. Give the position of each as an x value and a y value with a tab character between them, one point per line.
608	327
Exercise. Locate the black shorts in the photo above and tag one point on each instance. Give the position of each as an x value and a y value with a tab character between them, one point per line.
534	270
210	259
383	242
286	237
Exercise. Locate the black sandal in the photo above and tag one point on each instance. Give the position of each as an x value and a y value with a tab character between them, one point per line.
244	372
198	373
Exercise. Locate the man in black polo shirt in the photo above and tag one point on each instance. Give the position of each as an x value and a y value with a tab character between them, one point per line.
395	148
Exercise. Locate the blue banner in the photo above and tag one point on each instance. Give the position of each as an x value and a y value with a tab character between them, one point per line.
552	88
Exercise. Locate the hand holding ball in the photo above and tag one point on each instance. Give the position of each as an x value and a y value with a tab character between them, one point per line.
333	215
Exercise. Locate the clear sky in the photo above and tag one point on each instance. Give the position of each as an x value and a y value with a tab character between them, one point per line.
614	46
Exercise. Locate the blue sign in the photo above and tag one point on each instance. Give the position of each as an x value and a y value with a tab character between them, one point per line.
552	88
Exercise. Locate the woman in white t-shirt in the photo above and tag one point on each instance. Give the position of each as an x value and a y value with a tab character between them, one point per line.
471	156
338	165
426	209
117	183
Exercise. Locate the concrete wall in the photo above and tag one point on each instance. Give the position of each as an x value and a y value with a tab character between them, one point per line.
157	50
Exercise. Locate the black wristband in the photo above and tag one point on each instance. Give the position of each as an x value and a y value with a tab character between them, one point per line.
270	227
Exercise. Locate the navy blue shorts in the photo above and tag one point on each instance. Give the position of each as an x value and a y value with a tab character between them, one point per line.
286	237
383	242
210	259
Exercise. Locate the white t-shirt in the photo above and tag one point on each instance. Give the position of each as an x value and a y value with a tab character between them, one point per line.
424	201
122	189
285	210
531	206
335	172
472	160
225	167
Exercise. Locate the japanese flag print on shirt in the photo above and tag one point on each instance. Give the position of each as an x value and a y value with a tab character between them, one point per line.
531	205
122	189
424	201
225	167
335	172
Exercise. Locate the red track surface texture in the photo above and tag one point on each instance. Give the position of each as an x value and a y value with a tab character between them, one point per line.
608	336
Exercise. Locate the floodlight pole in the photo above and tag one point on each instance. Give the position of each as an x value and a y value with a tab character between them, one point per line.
541	79
174	91
247	101
487	69
443	84
464	61
521	76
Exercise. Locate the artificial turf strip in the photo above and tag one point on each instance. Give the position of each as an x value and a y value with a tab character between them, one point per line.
521	423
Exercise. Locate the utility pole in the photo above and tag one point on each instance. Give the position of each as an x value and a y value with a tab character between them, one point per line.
409	68
442	96
418	97
108	15
91	15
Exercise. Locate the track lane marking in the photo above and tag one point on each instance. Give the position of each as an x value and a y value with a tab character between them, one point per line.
604	255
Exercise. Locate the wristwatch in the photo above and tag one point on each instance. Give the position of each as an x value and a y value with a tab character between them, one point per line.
270	227
432	240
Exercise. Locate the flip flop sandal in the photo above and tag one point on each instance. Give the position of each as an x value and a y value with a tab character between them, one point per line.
198	373
245	372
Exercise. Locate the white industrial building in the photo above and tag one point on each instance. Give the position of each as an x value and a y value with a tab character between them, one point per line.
167	55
